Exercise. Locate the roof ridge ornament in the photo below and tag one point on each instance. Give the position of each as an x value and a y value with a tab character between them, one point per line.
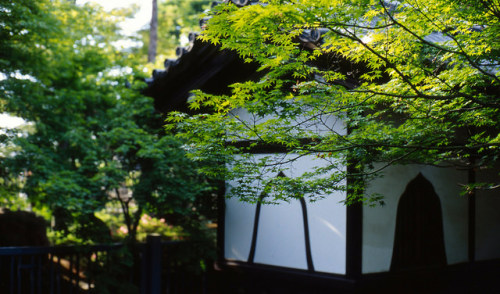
192	37
179	51
312	35
241	3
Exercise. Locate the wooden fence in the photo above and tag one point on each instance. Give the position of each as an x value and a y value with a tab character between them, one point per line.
147	268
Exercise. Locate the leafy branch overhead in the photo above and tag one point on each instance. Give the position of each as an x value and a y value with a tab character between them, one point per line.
386	82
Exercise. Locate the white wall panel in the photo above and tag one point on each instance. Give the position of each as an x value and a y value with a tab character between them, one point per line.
327	223
238	228
280	238
320	124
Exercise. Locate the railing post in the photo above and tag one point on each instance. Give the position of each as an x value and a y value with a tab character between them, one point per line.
153	264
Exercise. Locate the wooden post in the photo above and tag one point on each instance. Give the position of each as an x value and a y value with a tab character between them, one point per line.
472	213
354	222
153	264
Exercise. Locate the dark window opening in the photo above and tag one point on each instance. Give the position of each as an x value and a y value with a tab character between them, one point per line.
419	238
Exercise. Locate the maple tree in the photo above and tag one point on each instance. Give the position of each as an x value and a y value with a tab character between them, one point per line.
411	81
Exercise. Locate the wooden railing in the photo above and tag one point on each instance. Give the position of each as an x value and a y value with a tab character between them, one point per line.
147	268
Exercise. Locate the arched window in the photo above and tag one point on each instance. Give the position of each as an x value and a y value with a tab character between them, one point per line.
419	238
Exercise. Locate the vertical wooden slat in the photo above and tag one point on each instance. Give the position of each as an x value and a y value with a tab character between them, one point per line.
12	274
204	282
19	277
168	270
58	275
51	273
77	268
95	264
39	272
88	271
70	274
31	268
144	263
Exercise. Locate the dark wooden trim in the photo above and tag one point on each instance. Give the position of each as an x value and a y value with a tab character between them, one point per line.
221	217
256	220
462	278
354	229
271	271
472	215
481	277
259	147
307	240
354	236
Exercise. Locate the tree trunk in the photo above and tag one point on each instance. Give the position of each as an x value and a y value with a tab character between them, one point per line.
153	33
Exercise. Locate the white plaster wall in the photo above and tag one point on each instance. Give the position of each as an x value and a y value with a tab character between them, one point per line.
280	238
488	217
379	222
327	229
320	124
238	228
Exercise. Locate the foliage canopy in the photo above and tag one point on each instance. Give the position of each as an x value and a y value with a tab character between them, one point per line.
413	81
92	137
